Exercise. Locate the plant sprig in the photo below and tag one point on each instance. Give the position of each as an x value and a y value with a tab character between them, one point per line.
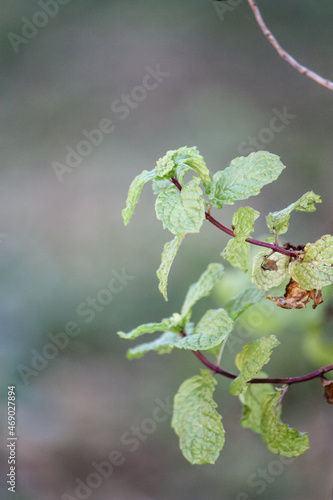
182	208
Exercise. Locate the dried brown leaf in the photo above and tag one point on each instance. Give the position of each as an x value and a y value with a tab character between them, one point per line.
296	297
328	384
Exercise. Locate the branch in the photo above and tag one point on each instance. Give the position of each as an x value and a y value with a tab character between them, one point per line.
228	231
288	380
287	57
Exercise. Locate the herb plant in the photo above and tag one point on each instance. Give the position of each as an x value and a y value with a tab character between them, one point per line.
182	208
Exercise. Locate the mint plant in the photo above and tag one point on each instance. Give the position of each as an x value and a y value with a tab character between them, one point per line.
183	207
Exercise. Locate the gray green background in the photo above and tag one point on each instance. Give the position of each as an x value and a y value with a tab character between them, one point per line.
61	241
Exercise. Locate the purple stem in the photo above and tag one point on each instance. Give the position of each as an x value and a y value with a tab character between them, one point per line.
288	380
230	232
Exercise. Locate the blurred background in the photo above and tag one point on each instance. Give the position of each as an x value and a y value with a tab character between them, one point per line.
72	275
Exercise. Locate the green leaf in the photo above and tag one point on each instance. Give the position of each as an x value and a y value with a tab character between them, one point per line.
237	251
243	301
278	222
159	185
180	160
181	211
196	421
211	330
203	287
314	268
173	324
269	270
243	222
243	178
251	399
168	255
163	345
237	254
250	361
279	438
134	193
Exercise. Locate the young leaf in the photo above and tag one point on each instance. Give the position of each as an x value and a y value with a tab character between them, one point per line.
168	255
314	268
237	251
134	193
202	287
243	301
279	438
196	421
181	211
173	324
269	270
250	361
251	399
278	222
243	178
174	162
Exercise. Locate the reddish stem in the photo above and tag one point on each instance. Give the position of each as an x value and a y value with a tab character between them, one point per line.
230	232
288	380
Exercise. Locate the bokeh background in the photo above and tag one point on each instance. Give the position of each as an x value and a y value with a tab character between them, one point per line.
62	240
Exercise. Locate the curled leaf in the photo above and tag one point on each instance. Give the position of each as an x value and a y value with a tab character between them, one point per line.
314	268
269	270
196	421
296	297
328	384
278	222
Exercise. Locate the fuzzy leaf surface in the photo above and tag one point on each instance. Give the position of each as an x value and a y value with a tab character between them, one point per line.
196	421
278	222
168	255
203	287
269	270
314	270
243	178
173	163
279	438
212	329
250	361
181	211
134	193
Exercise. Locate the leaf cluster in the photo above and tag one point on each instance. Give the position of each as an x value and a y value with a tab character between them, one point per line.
182	206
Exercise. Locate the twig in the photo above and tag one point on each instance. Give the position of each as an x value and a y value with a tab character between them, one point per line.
287	57
225	229
288	381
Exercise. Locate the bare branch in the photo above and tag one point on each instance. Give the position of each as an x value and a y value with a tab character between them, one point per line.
287	57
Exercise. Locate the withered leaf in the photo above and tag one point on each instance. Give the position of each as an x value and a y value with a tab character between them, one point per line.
296	297
269	265
328	384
